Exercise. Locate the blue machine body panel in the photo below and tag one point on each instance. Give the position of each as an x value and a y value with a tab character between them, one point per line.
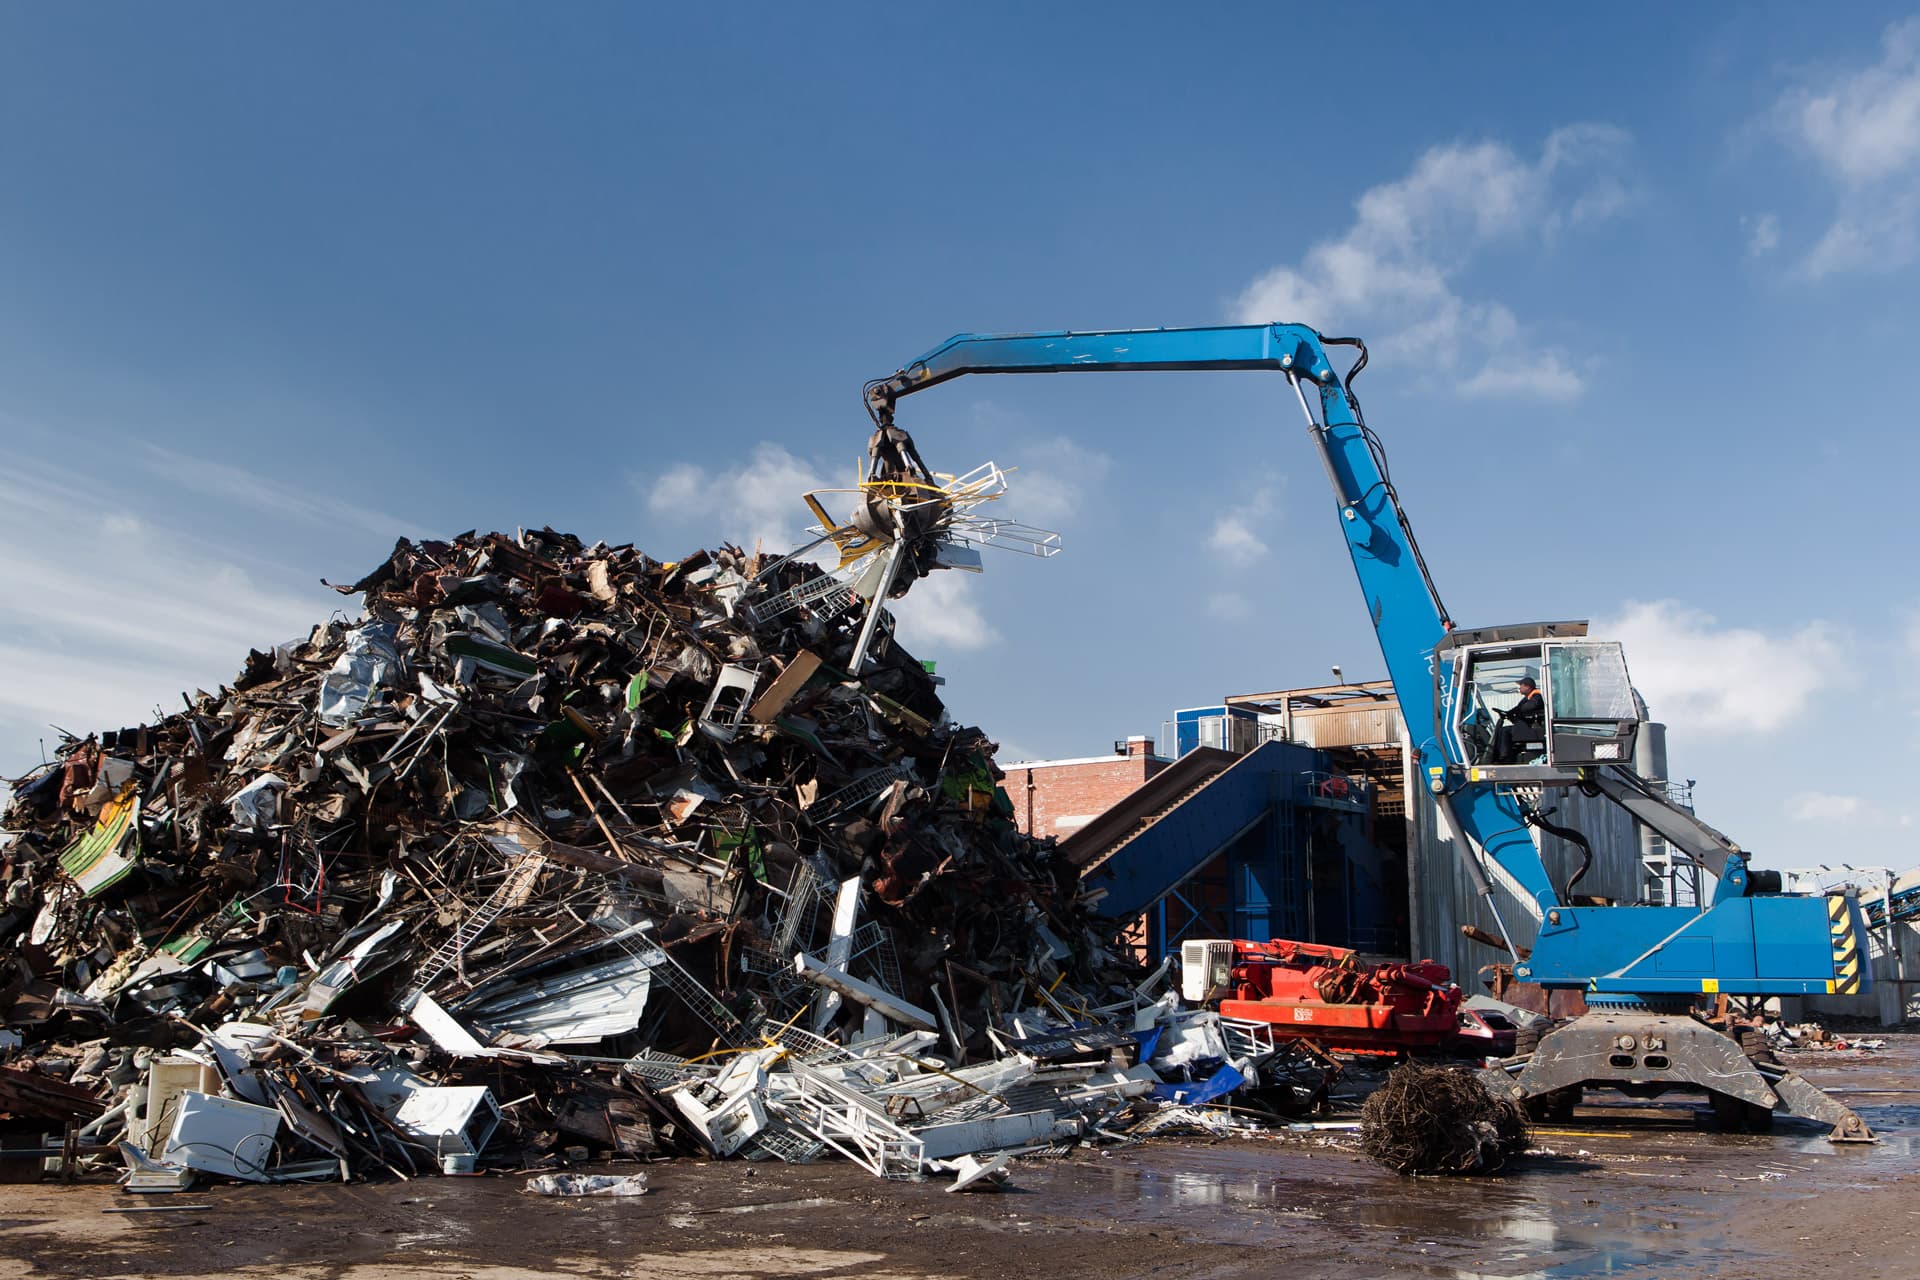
1229	808
1271	854
1750	946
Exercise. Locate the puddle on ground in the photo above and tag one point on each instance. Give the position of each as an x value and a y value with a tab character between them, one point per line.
1558	1217
1504	1231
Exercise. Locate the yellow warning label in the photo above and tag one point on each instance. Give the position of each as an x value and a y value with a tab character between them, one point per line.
1846	947
1710	985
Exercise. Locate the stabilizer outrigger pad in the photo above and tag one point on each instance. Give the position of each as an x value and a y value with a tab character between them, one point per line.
1646	1054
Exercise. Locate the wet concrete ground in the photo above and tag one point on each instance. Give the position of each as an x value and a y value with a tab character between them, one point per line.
1618	1193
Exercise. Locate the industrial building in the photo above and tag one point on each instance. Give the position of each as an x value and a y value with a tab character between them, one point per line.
1299	813
1058	797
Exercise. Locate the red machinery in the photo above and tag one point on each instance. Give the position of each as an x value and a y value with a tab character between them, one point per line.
1325	994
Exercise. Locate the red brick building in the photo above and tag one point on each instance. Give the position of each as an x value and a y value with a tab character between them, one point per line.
1058	797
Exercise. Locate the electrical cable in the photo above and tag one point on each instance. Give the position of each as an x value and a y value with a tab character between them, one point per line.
1534	818
866	399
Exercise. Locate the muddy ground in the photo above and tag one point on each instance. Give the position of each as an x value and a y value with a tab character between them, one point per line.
1617	1193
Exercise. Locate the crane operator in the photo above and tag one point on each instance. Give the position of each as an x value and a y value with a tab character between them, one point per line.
1523	720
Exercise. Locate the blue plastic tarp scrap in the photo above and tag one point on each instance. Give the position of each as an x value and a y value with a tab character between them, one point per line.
1217	1085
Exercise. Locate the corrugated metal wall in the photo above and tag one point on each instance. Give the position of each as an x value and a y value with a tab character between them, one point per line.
1443	898
1364	725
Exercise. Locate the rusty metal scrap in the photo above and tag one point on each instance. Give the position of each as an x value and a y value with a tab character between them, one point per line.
546	797
518	863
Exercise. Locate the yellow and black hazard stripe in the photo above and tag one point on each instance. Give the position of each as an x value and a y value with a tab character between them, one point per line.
1846	946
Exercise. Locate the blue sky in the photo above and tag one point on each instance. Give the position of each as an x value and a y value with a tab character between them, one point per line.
279	286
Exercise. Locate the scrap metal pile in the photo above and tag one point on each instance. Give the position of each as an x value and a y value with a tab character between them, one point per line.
556	852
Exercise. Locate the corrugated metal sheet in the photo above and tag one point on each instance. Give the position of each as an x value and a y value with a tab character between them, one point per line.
1362	726
1443	898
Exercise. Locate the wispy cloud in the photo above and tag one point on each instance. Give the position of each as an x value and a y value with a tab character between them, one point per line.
941	612
1229	606
237	486
1861	127
1836	810
759	501
1236	536
1544	376
1394	270
1821	806
1053	478
111	614
1716	679
1763	234
755	501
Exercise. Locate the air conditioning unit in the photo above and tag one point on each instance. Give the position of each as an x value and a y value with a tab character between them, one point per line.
1206	970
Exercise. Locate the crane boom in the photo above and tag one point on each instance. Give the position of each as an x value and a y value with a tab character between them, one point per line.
1406	611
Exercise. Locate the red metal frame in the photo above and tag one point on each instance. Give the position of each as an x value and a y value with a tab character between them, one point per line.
1326	994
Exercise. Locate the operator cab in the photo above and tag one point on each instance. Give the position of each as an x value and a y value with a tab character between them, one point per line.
1587	713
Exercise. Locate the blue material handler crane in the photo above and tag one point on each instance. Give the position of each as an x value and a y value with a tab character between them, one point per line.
1641	968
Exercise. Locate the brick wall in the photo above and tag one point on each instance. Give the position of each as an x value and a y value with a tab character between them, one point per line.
1058	797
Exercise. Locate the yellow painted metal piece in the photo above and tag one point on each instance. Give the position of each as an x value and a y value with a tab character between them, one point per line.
105	854
1846	946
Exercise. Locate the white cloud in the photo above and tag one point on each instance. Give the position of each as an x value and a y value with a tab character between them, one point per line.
1052	476
1877	236
1863	128
1235	537
1052	479
1763	234
760	501
939	612
1544	376
1393	271
1844	810
1820	806
757	501
1229	606
1865	124
1708	679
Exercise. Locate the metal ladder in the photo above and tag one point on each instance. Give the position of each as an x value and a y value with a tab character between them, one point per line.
874	945
705	1005
519	879
805	892
859	791
850	1123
